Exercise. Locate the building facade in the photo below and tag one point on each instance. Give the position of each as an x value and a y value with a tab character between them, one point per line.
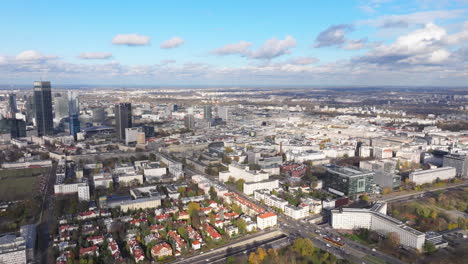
43	108
123	118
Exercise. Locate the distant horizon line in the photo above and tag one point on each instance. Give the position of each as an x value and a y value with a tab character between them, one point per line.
212	86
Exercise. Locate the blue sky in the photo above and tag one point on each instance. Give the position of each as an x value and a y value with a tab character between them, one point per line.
341	42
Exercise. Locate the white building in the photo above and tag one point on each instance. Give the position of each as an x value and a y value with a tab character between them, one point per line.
377	220
205	184
83	192
302	156
428	176
131	135
315	205
266	220
129	179
274	201
238	171
297	212
250	187
102	180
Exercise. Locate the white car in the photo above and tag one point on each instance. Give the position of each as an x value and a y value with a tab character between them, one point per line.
328	245
374	249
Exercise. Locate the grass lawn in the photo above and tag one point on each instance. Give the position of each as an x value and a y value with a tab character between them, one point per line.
18	188
356	238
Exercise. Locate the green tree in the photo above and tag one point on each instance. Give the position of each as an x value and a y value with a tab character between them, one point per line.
241	225
429	248
240	185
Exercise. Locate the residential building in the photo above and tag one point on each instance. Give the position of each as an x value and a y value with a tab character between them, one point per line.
161	250
266	220
12	249
250	187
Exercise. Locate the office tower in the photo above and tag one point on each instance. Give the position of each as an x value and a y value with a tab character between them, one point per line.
43	107
189	121
123	118
60	106
207	112
73	103
149	131
223	112
99	115
30	111
15	127
12	108
74	123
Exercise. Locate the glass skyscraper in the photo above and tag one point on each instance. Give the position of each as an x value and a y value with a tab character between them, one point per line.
123	118
43	108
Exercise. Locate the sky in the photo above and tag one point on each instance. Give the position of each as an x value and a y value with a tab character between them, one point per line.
235	43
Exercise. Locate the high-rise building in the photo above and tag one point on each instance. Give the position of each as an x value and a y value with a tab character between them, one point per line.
15	127
12	108
60	106
189	121
99	115
30	111
43	108
223	113
207	112
74	125
73	103
123	118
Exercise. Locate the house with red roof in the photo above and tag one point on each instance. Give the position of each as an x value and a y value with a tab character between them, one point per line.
89	251
161	250
211	231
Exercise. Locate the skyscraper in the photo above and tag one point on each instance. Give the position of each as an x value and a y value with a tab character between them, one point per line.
207	112
60	106
74	125
73	103
189	121
43	107
12	108
123	118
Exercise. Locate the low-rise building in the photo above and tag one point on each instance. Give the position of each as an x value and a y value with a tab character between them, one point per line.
428	176
266	220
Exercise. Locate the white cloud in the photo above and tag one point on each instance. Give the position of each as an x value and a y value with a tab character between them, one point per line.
273	48
172	43
355	44
333	36
303	60
95	55
417	18
32	55
241	47
422	46
131	40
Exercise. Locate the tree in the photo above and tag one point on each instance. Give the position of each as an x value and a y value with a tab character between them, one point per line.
212	218
240	185
386	191
111	188
393	240
212	192
241	225
429	248
303	246
193	208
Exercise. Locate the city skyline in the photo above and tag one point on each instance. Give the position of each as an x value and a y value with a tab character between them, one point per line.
337	43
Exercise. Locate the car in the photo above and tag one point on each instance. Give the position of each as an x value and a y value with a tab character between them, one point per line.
373	249
212	249
207	260
328	245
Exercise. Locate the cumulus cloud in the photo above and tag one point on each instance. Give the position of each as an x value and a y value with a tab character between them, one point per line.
333	36
420	47
242	47
303	61
355	44
131	40
172	43
32	55
95	55
273	48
